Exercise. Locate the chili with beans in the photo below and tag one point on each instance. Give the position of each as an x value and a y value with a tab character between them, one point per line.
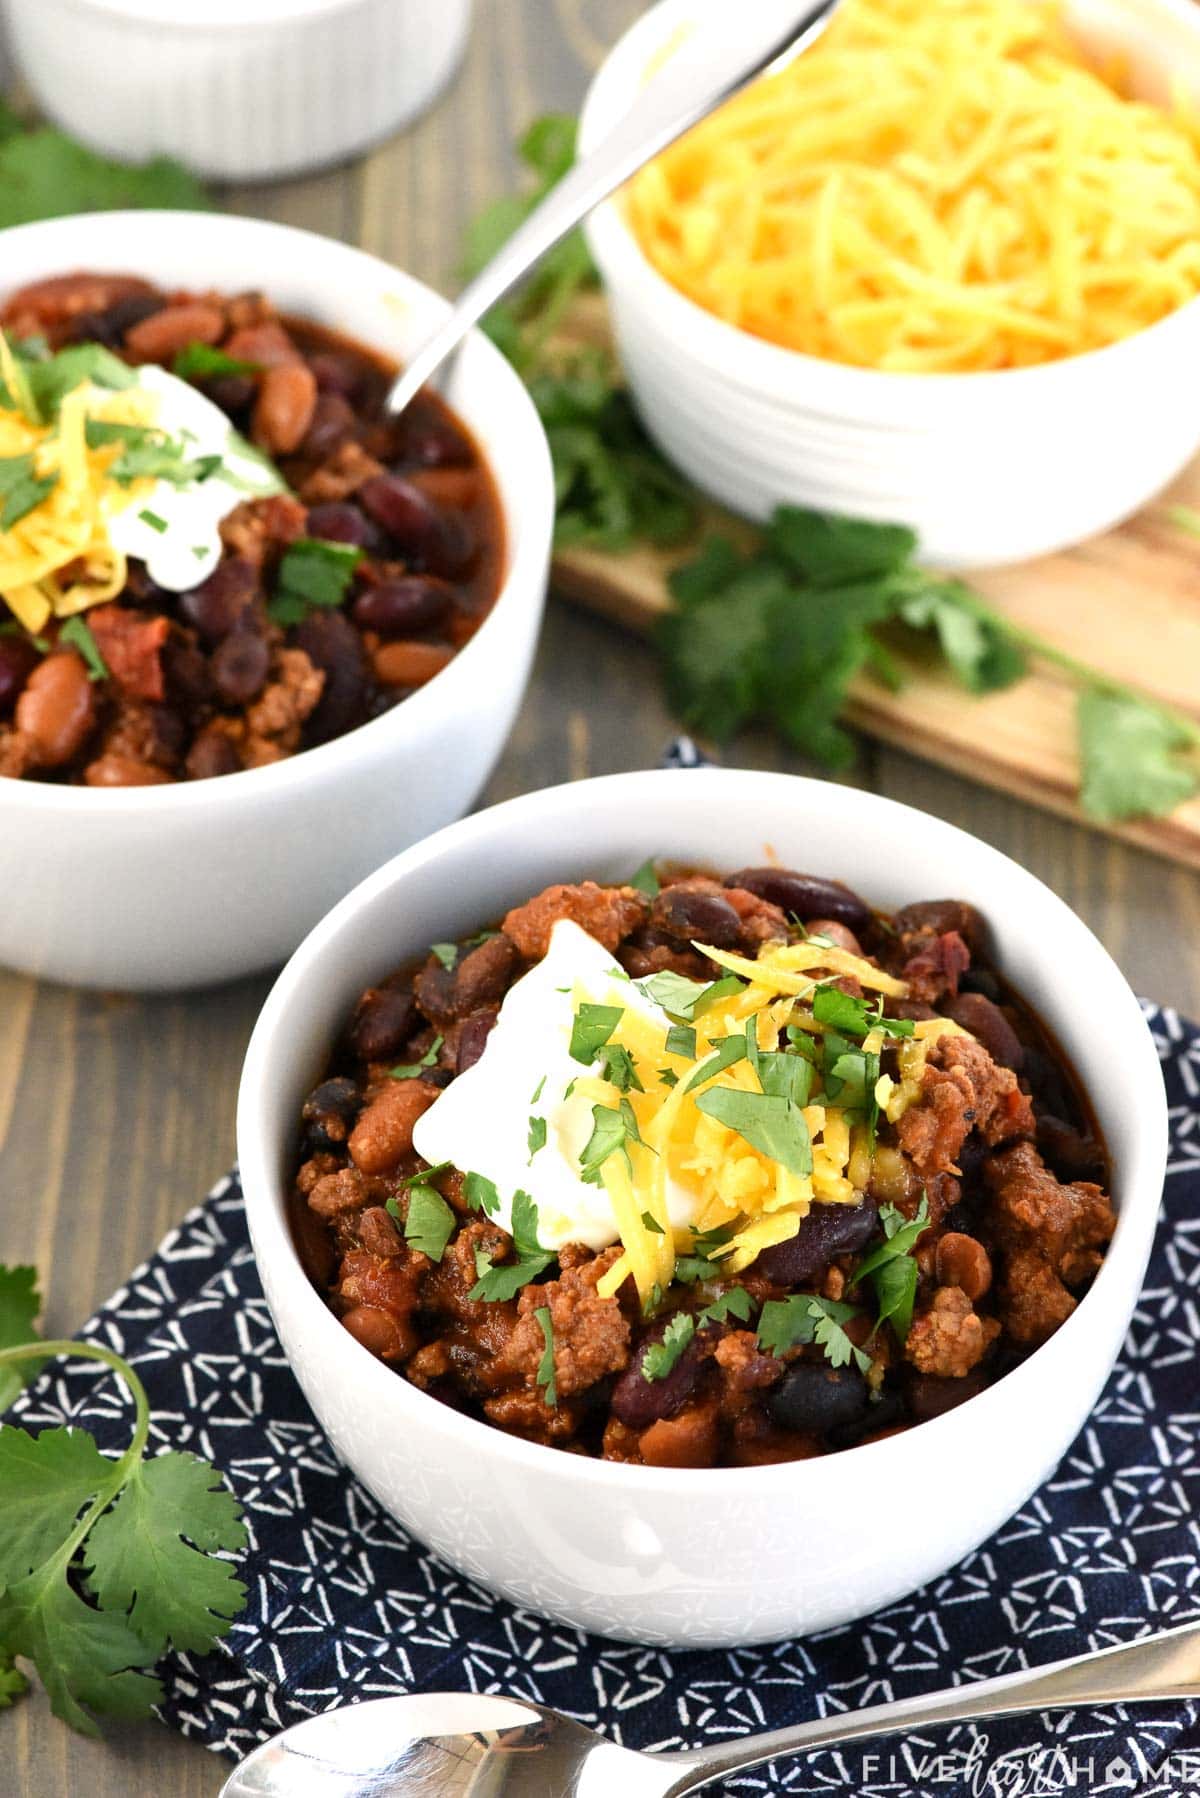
971	1213
155	685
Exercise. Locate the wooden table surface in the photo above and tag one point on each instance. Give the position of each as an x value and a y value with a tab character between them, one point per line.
116	1113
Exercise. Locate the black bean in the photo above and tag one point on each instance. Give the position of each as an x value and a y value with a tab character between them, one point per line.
240	665
804	896
109	327
988	1024
814	1396
638	1402
18	659
930	1395
881	1413
405	607
216	605
980	980
827	1231
332	644
186	672
383	1022
687	916
329	1113
234	394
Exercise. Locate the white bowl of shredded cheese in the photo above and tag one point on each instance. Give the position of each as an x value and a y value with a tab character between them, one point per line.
882	413
680	1556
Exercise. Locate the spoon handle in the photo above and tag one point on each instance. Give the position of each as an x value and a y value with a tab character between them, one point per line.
1166	1665
729	46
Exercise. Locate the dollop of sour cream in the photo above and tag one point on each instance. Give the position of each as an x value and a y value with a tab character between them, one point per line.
175	529
481	1121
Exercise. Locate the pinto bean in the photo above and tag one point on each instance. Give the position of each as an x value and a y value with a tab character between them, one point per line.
686	1440
839	934
61	297
284	411
113	770
804	896
57	709
267	343
827	1231
988	1024
165	333
960	1260
383	1134
410	664
380	1333
18	659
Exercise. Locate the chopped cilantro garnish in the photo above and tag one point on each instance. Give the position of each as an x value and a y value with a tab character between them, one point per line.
78	633
668	1077
771	1124
619	1069
734	1303
611	1131
481	1194
537	1135
538	1090
545	1369
21	489
856	1017
661	1357
430	1222
446	953
313	574
590	1030
728	1051
412	1070
161	459
681	1040
891	1267
646	880
787	1323
685	1000
153	519
196	361
500	1283
652	1223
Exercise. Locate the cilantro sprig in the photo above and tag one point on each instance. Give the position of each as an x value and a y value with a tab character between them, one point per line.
104	1563
788	1323
315	574
497	1283
891	1268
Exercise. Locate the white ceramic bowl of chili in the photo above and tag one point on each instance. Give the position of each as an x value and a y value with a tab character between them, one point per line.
729	1556
173	886
988	468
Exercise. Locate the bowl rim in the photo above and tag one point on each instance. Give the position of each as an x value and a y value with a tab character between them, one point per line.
270	1235
528	529
794	378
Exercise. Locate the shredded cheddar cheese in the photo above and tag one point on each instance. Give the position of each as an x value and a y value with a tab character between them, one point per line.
938	185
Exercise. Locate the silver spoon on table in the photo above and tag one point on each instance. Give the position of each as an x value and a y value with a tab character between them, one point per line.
730	45
464	1745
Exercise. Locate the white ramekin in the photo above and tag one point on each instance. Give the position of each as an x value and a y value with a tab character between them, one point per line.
236	89
987	468
735	1555
181	885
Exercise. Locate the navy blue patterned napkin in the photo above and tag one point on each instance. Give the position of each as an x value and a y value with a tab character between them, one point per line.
344	1605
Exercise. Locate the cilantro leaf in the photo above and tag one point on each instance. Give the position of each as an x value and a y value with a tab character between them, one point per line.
78	632
652	1224
46	174
446	953
856	1017
789	1323
681	1040
891	1267
977	649
683	999
646	879
591	1028
773	1125
829	1333
151	1555
412	1070
832	551
525	1226
734	1303
545	1367
661	1357
496	1283
21	489
786	1076
430	1221
84	1657
1130	755
608	1138
45	1482
314	573
537	1135
619	1069
481	1194
200	361
20	1302
726	1054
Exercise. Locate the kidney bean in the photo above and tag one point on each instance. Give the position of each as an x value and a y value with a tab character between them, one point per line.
804	896
18	659
336	374
814	1396
1046	1083
284	410
939	916
931	1395
403	664
380	1333
161	335
144	594
827	1231
62	297
1070	1153
960	1260
457	487
329	1113
215	606
472	1038
112	770
234	394
331	643
339	521
404	607
412	521
988	1024
426	438
332	422
57	708
480	977
212	753
639	1402
688	915
383	1022
267	343
240	665
382	1137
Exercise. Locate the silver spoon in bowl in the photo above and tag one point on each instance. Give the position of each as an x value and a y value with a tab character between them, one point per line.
471	1745
729	46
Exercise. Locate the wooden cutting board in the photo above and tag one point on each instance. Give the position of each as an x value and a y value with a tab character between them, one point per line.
1128	603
